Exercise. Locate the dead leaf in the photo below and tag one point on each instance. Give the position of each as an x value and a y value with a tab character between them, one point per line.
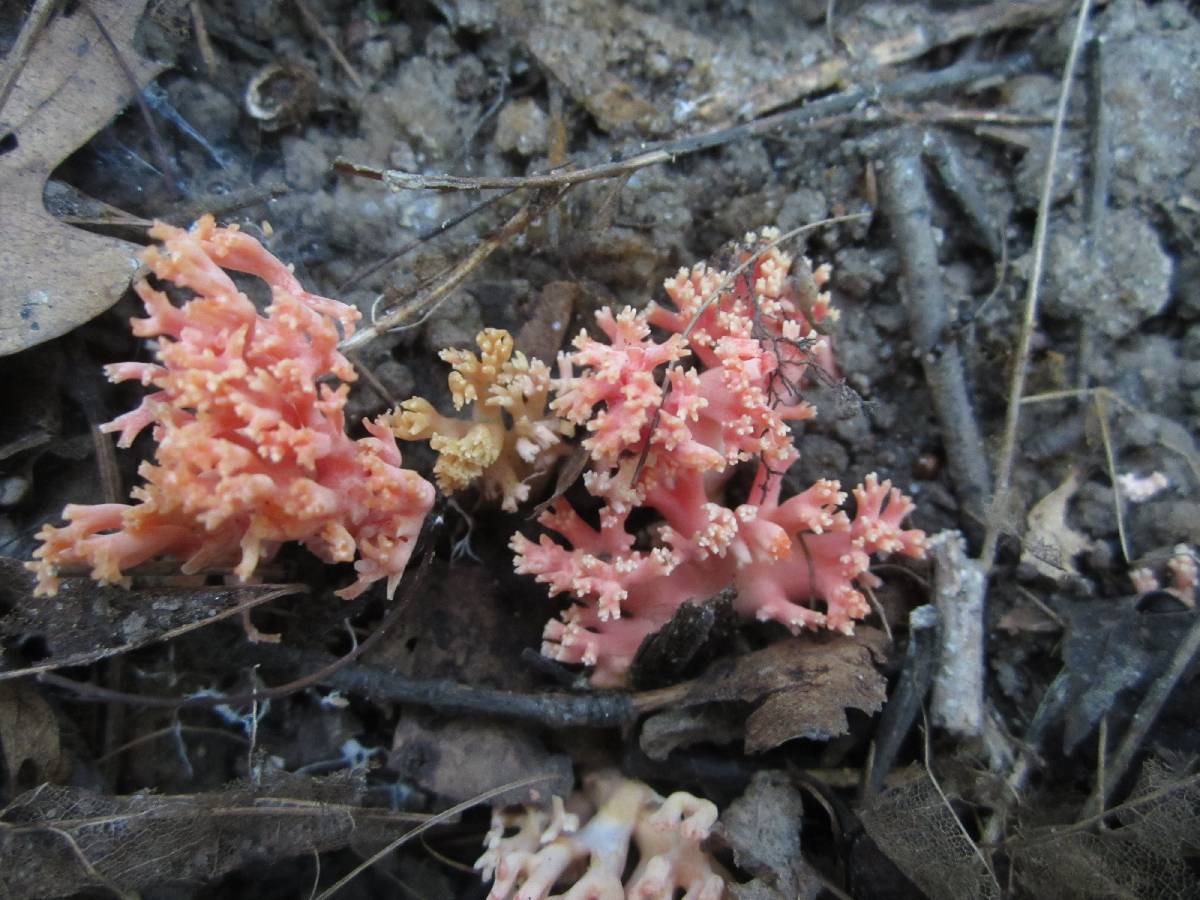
794	714
1112	651
667	731
569	471
762	828
471	643
86	622
801	687
1051	544
917	830
541	337
695	636
29	742
460	758
68	840
57	277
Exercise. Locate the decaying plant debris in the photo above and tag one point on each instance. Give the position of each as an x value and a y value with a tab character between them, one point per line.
1008	195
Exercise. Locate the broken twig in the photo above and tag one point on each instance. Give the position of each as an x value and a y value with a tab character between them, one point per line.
916	675
426	300
958	696
904	199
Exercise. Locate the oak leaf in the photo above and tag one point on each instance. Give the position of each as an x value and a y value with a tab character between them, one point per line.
55	276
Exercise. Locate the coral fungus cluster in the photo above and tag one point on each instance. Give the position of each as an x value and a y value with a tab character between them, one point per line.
667	437
585	843
1183	576
510	440
252	451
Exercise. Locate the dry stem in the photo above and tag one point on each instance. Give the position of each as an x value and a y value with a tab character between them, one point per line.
1012	421
427	300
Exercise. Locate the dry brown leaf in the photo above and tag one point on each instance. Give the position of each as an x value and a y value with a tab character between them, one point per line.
460	758
29	742
714	723
541	337
1051	544
801	687
63	840
86	622
762	827
568	473
57	277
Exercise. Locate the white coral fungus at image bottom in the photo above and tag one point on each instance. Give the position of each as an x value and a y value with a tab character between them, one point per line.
583	846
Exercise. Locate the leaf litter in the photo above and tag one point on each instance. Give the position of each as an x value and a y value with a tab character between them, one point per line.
57	277
612	71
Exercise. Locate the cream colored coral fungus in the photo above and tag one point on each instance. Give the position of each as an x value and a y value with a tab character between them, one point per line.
511	438
581	846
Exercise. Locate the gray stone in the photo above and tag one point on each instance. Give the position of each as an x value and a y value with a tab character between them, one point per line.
1117	284
454	324
521	128
305	164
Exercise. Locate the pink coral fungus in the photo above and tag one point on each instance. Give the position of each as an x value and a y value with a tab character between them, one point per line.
549	848
669	441
252	451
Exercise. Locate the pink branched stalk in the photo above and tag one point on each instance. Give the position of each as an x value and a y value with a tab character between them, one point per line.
670	441
252	450
587	861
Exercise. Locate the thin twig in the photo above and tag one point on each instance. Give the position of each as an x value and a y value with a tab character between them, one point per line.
549	709
314	25
426	825
1099	798
412	583
901	46
1048	712
905	201
1110	460
78	659
420	239
203	41
1000	498
958	704
1099	140
952	171
1099	176
813	113
879	611
916	676
170	731
1134	803
398	180
372	380
170	176
522	219
19	54
987	864
934	113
